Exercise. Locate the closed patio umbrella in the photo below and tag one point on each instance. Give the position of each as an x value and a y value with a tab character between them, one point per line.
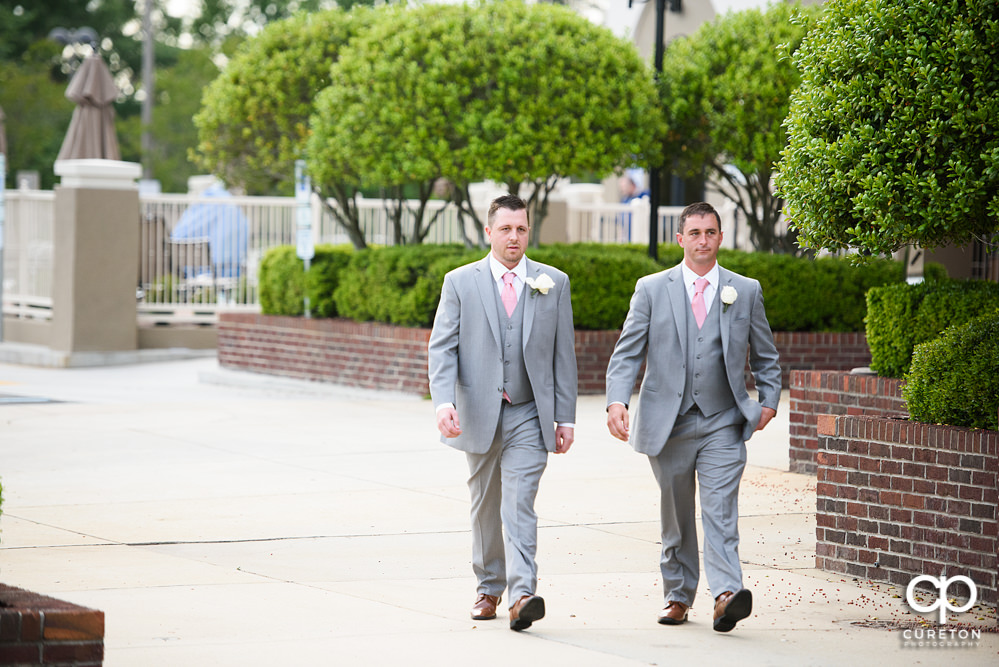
91	132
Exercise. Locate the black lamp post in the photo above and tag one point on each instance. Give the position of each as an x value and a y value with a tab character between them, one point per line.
655	173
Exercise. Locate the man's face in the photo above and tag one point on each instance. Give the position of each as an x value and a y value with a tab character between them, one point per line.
700	239
508	236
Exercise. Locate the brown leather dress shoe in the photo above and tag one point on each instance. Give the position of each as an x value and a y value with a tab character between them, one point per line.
730	608
485	607
675	613
528	609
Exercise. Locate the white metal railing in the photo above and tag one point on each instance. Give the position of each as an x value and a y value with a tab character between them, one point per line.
201	255
375	222
27	247
619	223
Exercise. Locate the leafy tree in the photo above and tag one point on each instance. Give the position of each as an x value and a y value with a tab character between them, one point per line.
34	105
253	123
725	91
502	91
171	127
23	23
222	20
35	70
892	134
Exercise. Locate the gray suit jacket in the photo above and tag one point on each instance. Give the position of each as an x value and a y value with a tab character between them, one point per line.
656	323
465	357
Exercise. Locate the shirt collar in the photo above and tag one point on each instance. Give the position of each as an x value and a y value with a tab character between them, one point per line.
689	276
498	269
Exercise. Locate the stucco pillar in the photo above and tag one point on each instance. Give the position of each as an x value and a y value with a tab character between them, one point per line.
95	256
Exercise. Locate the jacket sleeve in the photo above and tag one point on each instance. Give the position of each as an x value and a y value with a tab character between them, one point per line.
442	350
565	370
763	356
626	360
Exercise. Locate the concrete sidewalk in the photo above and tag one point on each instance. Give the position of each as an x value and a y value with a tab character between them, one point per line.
222	518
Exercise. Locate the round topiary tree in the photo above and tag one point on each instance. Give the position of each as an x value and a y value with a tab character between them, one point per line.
725	91
254	118
501	91
892	137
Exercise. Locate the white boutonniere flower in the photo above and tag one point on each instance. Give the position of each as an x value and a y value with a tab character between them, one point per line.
542	284
728	296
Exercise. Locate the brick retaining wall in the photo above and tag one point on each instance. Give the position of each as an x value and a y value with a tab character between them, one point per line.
382	356
896	499
39	630
816	393
355	354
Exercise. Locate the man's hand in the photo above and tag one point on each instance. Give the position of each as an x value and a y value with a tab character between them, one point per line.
765	417
564	436
447	422
617	421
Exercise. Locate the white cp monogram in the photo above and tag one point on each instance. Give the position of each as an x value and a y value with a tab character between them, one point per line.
942	602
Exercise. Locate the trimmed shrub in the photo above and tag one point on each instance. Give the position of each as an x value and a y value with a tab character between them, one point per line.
401	285
954	378
901	316
394	284
325	271
602	278
823	294
284	284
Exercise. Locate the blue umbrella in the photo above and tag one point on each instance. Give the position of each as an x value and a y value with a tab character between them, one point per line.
225	228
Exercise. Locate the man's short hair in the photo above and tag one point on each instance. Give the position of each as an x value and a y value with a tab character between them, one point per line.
699	208
511	202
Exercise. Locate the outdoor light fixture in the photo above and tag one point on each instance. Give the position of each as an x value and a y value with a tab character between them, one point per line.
84	35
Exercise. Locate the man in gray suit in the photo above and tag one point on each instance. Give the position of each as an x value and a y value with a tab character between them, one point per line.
502	356
694	325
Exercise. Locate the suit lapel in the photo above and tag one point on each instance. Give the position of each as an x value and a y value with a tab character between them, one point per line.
724	280
677	293
487	292
533	271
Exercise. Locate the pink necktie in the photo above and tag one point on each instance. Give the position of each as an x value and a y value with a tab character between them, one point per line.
697	304
508	295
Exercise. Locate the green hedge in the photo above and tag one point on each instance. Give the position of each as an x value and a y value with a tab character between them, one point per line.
602	278
954	378
283	282
901	316
401	284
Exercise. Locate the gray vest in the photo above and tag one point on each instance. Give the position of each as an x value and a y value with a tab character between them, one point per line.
515	381
706	382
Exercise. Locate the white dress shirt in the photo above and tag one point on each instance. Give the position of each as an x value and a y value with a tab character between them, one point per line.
713	277
519	273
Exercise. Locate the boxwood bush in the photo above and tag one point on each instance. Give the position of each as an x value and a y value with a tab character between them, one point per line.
602	278
954	379
901	316
401	285
284	284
